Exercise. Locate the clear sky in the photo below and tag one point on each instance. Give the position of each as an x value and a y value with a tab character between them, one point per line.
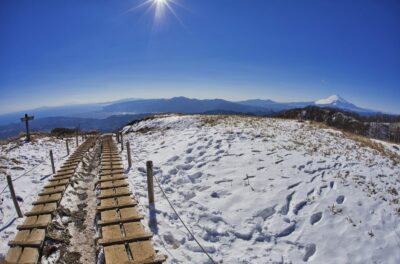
55	52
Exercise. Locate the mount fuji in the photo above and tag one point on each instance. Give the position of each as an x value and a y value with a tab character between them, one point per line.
333	101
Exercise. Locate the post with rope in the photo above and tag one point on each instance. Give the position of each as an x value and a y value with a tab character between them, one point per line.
52	162
66	144
13	196
150	186
122	141
76	140
128	150
117	136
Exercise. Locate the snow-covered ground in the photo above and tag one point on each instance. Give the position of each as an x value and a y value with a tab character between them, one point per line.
28	164
259	190
252	190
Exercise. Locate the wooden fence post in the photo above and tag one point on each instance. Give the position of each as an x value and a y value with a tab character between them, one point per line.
76	140
128	150
52	162
122	141
66	144
150	187
13	196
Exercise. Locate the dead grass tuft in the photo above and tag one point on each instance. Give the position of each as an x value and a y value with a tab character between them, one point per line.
379	148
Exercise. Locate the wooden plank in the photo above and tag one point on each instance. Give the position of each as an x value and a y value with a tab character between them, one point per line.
13	255
116	206
113	184
52	198
154	260
58	189
31	222
29	238
66	173
133	228
111	232
125	215
143	252
115	192
116	254
111	171
56	184
111	163
122	240
119	220
112	178
29	256
41	209
111	167
55	179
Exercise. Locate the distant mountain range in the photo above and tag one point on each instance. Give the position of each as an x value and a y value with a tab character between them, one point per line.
111	115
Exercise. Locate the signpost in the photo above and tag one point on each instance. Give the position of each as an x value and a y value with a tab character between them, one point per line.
26	119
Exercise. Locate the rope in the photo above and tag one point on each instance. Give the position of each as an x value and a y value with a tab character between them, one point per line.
183	223
32	169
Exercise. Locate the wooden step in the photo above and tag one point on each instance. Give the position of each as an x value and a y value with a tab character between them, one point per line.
28	238
57	183
54	190
25	255
52	198
113	184
114	192
117	206
117	216
54	179
39	221
41	209
123	240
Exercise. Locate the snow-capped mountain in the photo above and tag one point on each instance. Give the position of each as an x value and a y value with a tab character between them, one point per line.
335	101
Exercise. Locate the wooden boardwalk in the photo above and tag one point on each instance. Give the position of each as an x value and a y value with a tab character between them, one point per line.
122	234
27	244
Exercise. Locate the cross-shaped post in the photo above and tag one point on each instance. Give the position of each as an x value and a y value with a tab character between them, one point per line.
26	119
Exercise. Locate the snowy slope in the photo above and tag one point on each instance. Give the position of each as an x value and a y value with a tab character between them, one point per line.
29	166
311	194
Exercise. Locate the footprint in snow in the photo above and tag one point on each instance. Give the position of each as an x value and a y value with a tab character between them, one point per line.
293	185
287	231
315	218
266	213
189	159
299	206
285	209
310	251
340	199
174	158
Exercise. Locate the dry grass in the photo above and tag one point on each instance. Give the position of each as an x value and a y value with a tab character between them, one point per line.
368	143
363	142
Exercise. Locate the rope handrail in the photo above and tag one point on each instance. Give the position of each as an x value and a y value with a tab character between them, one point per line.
183	223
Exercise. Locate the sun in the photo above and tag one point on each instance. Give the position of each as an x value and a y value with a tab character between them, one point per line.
160	2
161	8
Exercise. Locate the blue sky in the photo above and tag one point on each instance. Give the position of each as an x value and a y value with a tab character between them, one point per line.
65	51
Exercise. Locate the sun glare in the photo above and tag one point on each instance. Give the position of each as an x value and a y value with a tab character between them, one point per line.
160	9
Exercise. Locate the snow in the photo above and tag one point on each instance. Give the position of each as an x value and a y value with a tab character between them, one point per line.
29	166
252	190
333	99
260	190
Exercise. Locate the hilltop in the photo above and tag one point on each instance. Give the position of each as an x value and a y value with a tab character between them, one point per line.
252	190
